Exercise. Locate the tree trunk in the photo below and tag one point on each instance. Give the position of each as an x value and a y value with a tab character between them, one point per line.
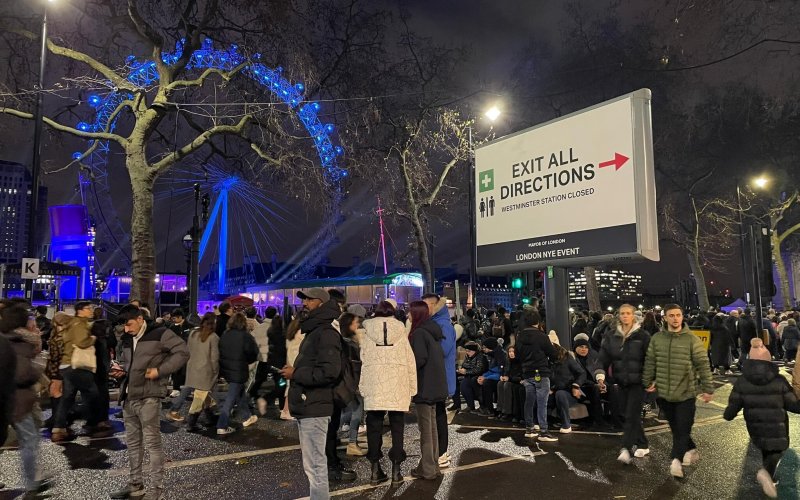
422	251
142	241
592	292
788	303
700	282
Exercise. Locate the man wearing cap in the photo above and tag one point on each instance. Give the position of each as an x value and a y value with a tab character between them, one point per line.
590	364
313	376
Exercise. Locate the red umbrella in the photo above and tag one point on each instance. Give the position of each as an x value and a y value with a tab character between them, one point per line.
239	301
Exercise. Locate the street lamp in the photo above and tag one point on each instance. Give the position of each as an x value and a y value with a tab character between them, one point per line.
37	150
759	182
492	114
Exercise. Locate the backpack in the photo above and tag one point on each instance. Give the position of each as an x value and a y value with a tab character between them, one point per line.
346	387
498	330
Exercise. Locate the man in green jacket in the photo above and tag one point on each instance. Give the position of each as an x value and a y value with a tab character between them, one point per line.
676	363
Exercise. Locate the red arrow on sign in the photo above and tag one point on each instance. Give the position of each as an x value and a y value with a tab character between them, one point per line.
618	161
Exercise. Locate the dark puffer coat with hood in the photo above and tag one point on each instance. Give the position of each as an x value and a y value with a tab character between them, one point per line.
318	365
426	342
765	396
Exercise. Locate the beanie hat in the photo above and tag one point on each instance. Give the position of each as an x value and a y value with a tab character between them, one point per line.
357	309
581	339
758	351
471	346
553	337
490	343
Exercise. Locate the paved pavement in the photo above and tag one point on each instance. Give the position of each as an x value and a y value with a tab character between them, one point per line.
490	460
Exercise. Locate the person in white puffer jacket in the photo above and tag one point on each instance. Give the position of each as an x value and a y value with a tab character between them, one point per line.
388	382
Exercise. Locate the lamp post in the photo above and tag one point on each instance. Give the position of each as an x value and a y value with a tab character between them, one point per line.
492	114
749	266
188	241
37	150
194	268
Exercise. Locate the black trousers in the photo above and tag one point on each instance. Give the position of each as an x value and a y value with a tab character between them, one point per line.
262	374
332	437
771	459
441	426
179	378
103	403
592	392
627	402
375	435
488	393
680	416
470	390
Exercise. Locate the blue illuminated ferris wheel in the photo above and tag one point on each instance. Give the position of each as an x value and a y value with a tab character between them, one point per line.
94	181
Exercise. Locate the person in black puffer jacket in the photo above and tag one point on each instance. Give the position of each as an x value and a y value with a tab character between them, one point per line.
237	349
790	339
316	370
510	392
474	366
624	351
765	396
535	351
565	386
425	337
590	363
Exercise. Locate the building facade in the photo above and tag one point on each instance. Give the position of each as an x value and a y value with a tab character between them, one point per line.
15	200
615	285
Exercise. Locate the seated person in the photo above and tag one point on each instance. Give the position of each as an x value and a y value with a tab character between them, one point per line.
565	386
510	391
590	363
488	381
474	366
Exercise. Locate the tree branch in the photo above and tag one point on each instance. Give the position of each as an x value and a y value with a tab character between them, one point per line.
199	142
63	128
197	82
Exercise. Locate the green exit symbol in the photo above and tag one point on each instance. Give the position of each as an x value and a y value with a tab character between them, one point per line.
486	180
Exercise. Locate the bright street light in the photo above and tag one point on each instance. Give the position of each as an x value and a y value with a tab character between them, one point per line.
761	182
492	113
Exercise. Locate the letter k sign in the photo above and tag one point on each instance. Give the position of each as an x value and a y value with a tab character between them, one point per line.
486	180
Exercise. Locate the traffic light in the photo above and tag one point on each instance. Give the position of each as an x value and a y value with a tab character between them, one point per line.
763	261
516	283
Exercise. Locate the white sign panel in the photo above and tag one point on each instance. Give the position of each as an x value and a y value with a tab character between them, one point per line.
573	191
29	269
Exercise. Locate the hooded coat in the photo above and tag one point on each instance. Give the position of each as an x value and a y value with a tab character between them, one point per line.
237	349
765	396
388	368
426	342
318	364
442	318
720	343
202	370
625	355
790	337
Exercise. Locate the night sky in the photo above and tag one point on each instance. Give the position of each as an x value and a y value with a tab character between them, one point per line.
497	33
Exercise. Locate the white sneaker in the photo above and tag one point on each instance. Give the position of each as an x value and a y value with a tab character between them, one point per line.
625	456
537	428
225	432
691	457
767	484
261	403
250	421
530	433
444	459
641	452
565	430
362	429
676	468
346	428
174	394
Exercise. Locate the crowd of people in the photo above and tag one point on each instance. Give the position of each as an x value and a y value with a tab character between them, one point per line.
339	368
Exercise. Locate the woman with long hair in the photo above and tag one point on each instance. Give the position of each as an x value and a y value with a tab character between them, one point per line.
237	349
388	382
202	371
425	337
350	326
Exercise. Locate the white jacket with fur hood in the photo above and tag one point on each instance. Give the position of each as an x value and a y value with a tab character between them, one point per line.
388	368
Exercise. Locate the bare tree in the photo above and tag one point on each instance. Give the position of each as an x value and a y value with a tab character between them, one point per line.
592	291
206	103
